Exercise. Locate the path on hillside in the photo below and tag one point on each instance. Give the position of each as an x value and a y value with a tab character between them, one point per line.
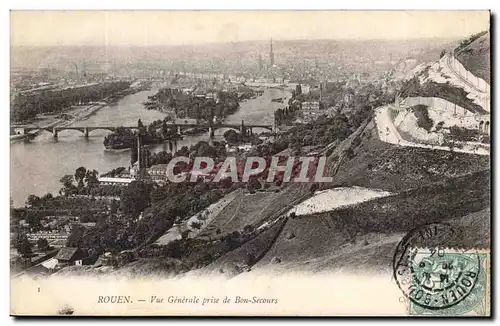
459	76
388	133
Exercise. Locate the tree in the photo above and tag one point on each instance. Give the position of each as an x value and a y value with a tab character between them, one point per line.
142	129
231	136
254	184
135	198
42	244
32	200
23	245
113	207
75	237
91	178
80	176
67	182
47	197
195	225
32	220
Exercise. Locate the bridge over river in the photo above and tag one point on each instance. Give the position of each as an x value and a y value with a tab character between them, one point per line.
33	131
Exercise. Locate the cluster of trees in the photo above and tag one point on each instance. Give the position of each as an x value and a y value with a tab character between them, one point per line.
246	92
463	134
115	172
423	119
120	139
86	181
286	115
110	234
466	42
156	132
27	105
202	148
25	248
22	245
457	95
196	253
190	106
234	137
324	130
160	206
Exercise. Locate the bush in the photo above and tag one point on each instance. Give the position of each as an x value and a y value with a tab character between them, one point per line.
185	234
422	114
195	225
463	134
248	228
42	244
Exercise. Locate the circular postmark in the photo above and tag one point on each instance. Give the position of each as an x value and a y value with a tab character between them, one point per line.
429	273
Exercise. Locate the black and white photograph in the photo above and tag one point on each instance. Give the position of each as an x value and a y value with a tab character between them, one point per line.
250	163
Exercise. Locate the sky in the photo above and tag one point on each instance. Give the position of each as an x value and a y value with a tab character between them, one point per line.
196	27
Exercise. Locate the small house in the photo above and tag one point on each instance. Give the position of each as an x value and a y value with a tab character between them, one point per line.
69	256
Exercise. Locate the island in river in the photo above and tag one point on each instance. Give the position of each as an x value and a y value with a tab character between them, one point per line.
155	133
211	106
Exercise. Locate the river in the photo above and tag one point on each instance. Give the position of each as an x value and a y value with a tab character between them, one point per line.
36	167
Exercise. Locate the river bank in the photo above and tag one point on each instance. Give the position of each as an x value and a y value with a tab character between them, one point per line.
78	113
71	115
37	165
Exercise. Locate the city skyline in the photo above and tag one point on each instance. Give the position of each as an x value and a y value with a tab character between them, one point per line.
151	28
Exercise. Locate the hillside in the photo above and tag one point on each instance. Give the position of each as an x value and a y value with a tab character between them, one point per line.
475	56
371	163
427	186
374	254
364	236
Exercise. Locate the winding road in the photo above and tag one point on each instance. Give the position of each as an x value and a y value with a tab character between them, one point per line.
388	133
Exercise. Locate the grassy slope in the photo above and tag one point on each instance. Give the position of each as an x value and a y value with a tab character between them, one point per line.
249	252
365	235
430	203
476	57
254	209
244	209
377	253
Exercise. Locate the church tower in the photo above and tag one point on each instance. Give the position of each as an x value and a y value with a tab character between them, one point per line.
271	54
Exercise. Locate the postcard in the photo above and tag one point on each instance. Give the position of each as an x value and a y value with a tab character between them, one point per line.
250	163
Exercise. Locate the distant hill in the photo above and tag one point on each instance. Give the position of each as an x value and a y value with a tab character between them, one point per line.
474	54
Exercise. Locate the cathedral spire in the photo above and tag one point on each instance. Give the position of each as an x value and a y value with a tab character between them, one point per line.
271	54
